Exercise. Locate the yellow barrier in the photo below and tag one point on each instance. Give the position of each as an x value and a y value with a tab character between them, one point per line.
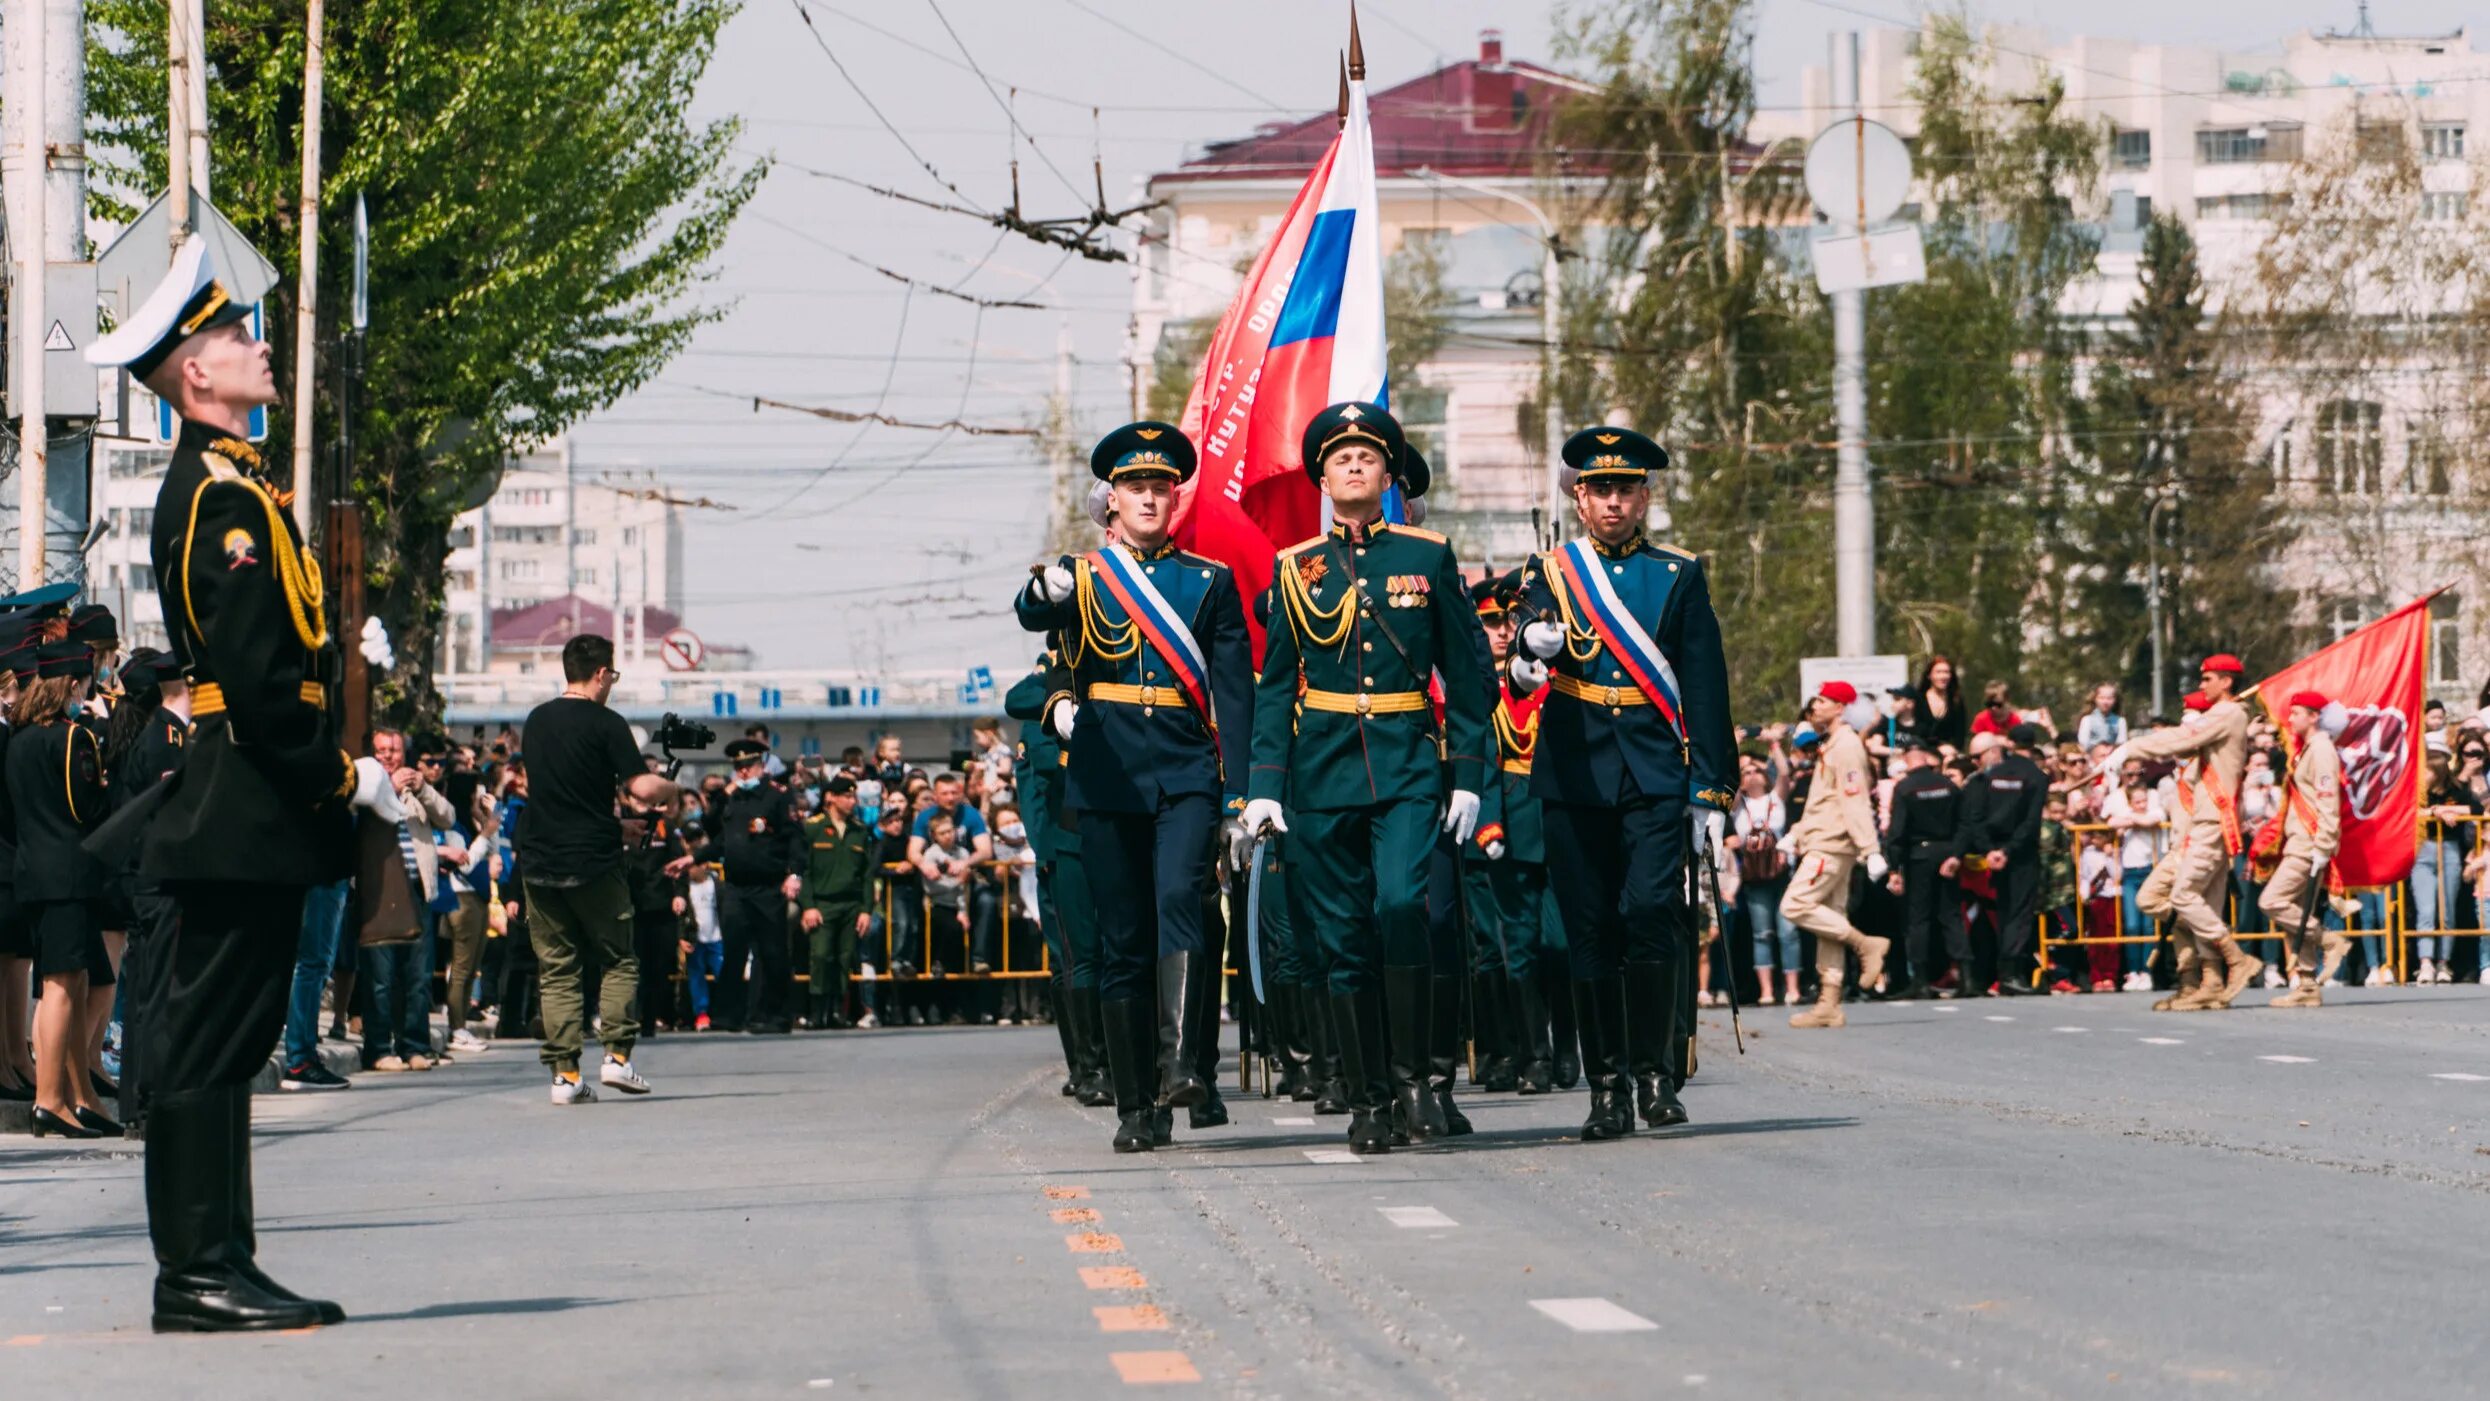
2451	887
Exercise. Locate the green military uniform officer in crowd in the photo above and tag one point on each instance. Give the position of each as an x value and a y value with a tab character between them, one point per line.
1367	614
837	897
1065	916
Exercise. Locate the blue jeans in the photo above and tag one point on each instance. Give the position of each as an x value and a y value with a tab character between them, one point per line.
1760	902
2372	916
702	966
315	954
2435	871
399	977
2133	922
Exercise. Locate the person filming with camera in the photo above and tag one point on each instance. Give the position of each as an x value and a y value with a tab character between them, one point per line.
580	757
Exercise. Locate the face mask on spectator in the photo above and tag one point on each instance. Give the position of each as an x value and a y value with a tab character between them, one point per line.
812	797
747	781
1013	831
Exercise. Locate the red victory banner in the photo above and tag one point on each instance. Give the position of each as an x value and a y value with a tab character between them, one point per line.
2376	675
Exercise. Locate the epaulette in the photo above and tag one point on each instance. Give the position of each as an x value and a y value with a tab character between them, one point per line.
1302	545
1422	533
1669	549
1191	558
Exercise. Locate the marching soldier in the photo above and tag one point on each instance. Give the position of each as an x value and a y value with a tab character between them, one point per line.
1922	854
1836	829
1295	973
1368	613
2153	897
1064	910
1509	889
1633	767
2312	820
255	814
1157	725
2210	836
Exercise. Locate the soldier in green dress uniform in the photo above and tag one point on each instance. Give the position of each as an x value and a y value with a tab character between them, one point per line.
1064	912
1345	732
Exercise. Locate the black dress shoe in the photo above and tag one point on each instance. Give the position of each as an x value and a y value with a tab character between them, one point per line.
1132	1132
1367	1133
1162	1127
1211	1113
51	1125
103	1127
2016	987
1568	1072
17	1094
1456	1123
1537	1078
1602	1122
226	1301
329	1310
1658	1100
1331	1099
1912	992
104	1086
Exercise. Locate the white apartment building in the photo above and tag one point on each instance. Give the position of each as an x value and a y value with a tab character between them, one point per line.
119	574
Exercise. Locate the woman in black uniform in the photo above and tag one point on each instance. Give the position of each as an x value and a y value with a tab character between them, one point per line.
17	945
55	774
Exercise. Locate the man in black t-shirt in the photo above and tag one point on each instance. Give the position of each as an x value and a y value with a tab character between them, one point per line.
580	754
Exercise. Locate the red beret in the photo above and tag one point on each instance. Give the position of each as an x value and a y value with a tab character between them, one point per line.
2309	700
2223	661
1839	692
2197	700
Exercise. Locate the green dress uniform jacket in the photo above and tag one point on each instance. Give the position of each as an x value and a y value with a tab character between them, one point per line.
838	866
1342	719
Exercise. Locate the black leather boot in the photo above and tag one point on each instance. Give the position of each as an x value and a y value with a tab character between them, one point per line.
1444	1052
1326	1031
1565	1036
1599	1013
1358	1020
192	1198
1096	1088
1180	1086
1279	1016
1408	993
246	1212
1201	1044
1653	1041
1131	1035
1491	1019
1537	1075
1067	1035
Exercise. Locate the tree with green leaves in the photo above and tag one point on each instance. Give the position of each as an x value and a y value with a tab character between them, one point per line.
543	211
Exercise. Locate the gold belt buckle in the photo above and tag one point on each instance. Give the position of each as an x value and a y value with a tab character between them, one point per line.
1611	701
1365	703
1149	698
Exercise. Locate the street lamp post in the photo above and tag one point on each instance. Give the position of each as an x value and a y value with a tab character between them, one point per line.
1550	279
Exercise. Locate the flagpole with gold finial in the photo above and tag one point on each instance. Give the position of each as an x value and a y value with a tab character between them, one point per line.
1357	49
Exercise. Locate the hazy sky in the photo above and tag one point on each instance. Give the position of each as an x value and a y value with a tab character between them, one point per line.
892	548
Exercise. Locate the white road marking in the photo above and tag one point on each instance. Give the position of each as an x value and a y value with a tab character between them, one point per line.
2077	1029
2288	1060
1998	1019
1949	1009
1594	1316
1332	1155
1304	1123
2465	1076
1416	1218
2162	1040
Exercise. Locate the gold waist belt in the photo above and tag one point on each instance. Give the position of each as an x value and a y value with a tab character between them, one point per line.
1610	696
208	698
1365	703
1519	766
1147	697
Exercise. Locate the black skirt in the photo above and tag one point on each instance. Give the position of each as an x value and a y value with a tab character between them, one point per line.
68	938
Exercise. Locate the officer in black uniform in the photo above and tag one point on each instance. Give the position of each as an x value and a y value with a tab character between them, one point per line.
762	844
255	813
1923	851
149	734
2008	830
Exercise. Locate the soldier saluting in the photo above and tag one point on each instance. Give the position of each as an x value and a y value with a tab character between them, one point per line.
1156	724
1633	767
255	814
1368	613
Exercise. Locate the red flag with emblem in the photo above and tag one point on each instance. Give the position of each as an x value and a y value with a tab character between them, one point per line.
2378	676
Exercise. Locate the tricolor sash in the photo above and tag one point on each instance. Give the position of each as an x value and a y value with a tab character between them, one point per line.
1150	611
1587	586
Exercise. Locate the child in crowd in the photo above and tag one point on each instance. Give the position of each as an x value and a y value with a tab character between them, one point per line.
704	954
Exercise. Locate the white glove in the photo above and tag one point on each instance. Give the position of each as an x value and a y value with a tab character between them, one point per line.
375	646
1240	843
1461	815
1528	672
1542	638
1494	850
1065	714
374	792
1263	814
1053	586
1705	827
2116	763
1876	865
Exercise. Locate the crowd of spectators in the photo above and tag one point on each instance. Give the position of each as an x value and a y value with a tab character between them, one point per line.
2101	835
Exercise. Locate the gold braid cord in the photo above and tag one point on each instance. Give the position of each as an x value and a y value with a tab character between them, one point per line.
1098	634
1518	741
1310	618
1581	643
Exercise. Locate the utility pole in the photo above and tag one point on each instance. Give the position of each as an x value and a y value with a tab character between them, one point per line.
31	225
1854	510
177	65
307	293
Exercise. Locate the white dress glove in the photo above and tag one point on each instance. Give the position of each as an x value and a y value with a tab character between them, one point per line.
1065	714
1705	827
1528	672
1055	585
1542	638
1461	815
1263	814
1240	844
1494	850
374	793
1876	867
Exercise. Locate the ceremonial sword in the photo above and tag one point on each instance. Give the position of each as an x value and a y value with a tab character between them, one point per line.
1253	916
1720	922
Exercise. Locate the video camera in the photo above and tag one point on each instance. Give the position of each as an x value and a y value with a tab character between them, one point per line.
674	731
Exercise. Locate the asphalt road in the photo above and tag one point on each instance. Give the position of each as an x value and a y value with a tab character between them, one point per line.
2061	1197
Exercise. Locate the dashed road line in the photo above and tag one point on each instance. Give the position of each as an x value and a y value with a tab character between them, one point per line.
2071	1030
2465	1076
1112	1277
1295	1123
1997	1017
1416	1218
2163	1040
1331	1155
1094	1243
1143	1368
2289	1060
1066	1194
1594	1316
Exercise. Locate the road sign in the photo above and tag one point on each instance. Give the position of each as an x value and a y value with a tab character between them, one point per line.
1858	172
139	258
1874	675
682	650
169	425
1878	258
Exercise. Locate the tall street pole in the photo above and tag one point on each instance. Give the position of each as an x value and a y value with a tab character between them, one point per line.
307	291
177	66
1854	510
27	65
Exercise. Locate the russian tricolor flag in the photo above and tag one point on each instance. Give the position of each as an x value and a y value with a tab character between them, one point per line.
1304	332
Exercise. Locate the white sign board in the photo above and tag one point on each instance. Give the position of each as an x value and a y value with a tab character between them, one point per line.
137	260
682	650
1878	258
1874	676
1858	172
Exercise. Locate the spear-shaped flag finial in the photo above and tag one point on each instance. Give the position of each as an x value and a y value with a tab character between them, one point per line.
1344	91
1357	48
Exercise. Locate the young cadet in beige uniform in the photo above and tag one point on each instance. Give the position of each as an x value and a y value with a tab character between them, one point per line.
1835	832
2210	833
2312	819
2153	897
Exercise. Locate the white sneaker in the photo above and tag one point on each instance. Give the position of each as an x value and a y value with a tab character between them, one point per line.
868	1021
2371	980
2485	977
2386	977
577	1091
624	1076
2274	977
465	1040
